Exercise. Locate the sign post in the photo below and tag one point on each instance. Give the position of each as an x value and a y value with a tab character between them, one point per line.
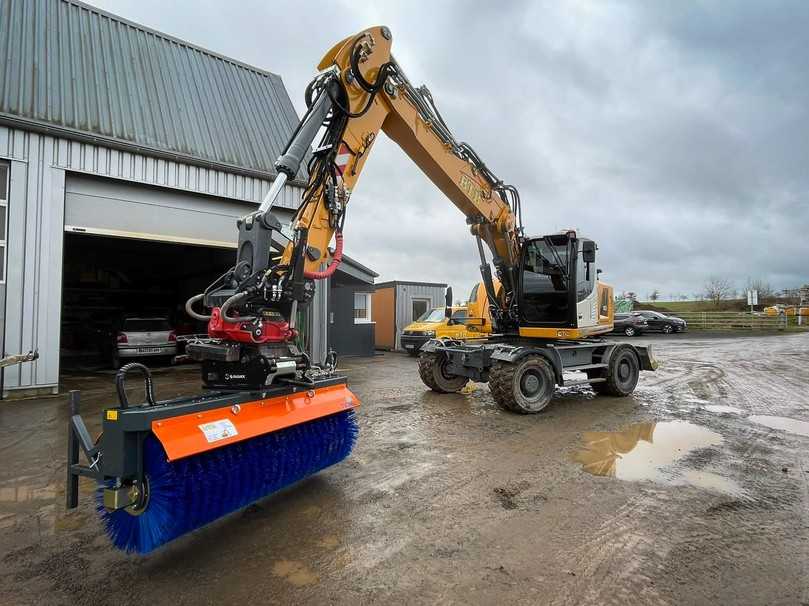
752	299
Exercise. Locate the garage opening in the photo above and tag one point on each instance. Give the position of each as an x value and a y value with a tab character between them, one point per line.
133	254
109	282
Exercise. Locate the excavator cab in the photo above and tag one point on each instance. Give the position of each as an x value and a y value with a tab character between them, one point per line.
558	289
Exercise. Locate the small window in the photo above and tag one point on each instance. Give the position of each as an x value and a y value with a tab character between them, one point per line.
459	316
420	307
362	307
474	295
3	219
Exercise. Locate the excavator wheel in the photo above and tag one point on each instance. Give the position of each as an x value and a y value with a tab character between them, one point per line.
525	387
433	373
622	374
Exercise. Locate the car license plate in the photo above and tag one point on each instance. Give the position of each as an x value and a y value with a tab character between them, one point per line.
148	350
409	346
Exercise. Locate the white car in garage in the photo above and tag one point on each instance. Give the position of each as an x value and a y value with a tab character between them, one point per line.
144	338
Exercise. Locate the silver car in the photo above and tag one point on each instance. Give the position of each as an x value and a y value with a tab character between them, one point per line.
142	338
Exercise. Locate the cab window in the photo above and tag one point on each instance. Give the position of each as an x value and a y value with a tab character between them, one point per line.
545	276
460	315
584	279
604	310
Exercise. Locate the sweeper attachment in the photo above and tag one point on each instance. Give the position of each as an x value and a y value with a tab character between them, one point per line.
165	468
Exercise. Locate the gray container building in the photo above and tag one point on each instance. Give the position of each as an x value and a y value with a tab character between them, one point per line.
398	303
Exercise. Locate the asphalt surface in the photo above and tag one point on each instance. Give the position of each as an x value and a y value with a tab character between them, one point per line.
695	490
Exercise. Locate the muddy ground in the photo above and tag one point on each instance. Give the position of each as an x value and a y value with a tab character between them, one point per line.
692	491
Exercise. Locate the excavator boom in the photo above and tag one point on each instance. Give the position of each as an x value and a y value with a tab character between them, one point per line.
360	91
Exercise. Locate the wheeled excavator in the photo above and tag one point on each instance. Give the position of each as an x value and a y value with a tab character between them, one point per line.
270	415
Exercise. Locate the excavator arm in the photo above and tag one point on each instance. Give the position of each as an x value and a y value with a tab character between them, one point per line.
379	96
361	91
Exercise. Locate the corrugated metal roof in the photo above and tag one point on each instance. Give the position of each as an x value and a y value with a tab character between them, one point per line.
74	67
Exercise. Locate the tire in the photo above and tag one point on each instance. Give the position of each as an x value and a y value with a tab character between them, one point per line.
432	370
630	331
667	329
622	374
524	387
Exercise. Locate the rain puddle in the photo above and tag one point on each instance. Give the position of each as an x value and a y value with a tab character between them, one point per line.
800	428
650	451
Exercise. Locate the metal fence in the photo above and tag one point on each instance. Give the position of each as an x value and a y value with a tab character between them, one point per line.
734	320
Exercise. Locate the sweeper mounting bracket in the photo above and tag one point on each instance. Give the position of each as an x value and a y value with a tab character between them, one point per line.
186	426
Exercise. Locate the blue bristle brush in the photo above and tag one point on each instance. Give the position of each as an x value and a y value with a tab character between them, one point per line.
189	493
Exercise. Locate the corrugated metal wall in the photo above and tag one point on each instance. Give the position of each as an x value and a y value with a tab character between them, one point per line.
405	293
36	224
34	277
70	155
71	66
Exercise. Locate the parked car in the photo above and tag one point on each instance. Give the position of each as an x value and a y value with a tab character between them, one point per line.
662	323
630	325
144	338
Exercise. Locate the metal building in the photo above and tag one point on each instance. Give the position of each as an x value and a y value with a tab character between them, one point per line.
122	145
396	304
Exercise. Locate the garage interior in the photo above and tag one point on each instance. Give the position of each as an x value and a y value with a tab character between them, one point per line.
107	279
135	251
138	251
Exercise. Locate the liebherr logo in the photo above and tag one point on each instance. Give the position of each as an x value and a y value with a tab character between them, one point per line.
470	188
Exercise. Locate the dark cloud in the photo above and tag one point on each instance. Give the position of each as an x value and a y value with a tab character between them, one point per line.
672	133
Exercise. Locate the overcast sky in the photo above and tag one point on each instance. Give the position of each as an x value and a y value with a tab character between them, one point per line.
674	134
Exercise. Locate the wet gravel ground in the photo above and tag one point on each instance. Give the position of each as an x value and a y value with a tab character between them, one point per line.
695	490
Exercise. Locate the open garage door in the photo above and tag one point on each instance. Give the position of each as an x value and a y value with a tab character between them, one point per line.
106	207
134	251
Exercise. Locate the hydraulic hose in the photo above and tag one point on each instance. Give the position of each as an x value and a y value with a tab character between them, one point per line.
189	308
232	301
335	261
120	386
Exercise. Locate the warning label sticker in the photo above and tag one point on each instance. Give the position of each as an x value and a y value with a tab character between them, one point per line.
218	430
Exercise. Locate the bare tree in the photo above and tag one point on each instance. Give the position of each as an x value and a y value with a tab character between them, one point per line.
792	295
631	296
717	289
654	295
